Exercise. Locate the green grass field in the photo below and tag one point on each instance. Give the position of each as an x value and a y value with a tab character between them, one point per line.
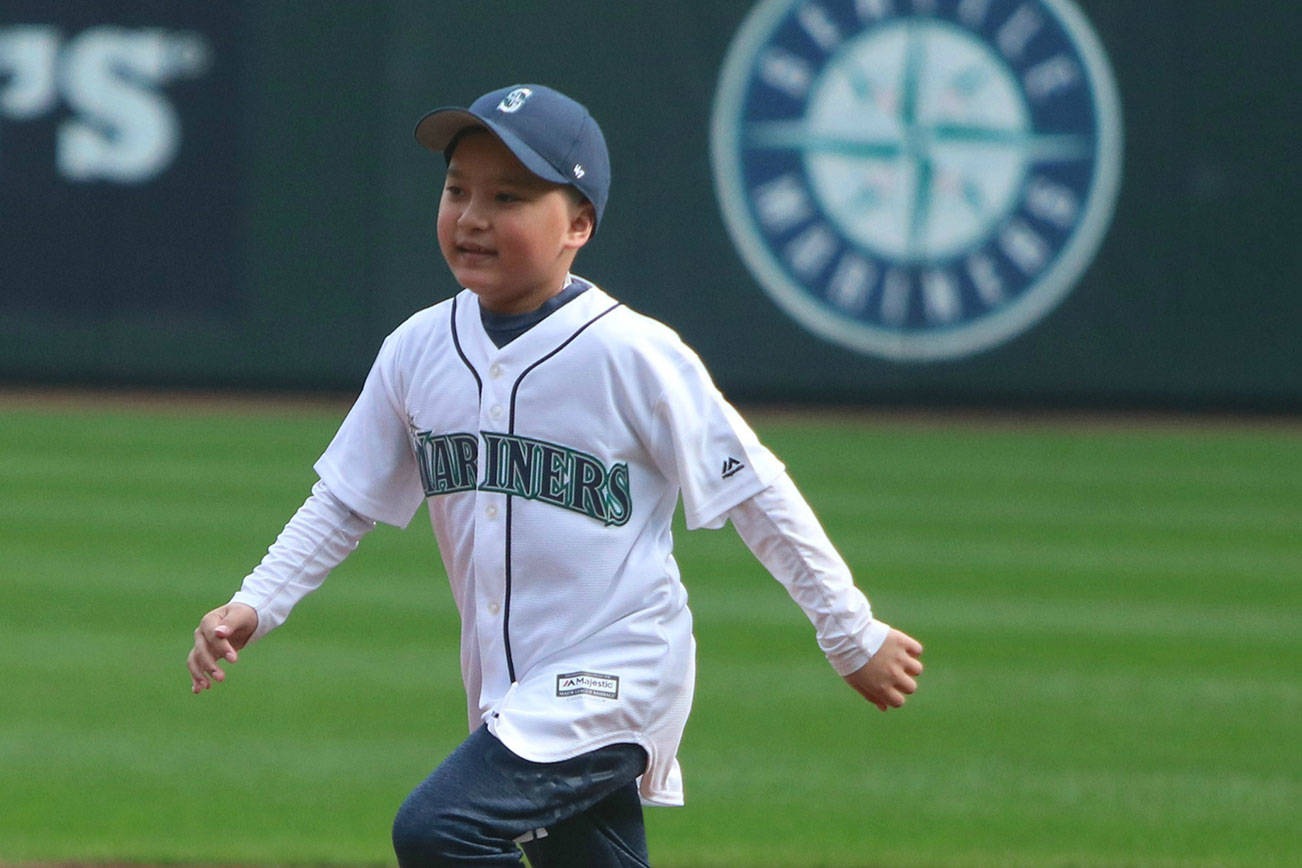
1114	662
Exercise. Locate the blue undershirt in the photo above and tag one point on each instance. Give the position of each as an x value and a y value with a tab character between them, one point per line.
503	328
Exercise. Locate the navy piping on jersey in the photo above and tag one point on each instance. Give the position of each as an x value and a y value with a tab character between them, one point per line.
506	607
456	342
502	328
515	388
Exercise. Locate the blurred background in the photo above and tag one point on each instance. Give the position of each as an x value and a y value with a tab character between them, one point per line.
226	197
229	195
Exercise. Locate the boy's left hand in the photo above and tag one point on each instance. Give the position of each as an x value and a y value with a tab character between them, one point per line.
886	678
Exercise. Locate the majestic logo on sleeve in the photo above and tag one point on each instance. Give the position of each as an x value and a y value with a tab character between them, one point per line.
525	467
916	179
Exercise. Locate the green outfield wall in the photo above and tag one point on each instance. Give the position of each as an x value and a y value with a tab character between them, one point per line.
905	202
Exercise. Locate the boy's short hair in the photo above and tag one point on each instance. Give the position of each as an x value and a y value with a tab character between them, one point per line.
552	135
576	195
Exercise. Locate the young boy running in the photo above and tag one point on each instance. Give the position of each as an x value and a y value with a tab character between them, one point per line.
552	432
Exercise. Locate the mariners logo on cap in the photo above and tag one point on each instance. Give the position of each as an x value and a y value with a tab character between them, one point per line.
916	179
513	101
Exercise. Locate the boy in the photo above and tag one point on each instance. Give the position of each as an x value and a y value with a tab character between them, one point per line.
551	431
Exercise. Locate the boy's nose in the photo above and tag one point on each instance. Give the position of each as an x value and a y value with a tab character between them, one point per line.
472	215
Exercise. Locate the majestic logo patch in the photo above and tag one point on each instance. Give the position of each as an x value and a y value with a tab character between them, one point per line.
916	179
525	467
591	683
731	466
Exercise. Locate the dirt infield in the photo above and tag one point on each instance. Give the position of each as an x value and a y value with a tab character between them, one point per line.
169	400
211	401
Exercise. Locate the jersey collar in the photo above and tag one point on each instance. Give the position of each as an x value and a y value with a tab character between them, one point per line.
482	353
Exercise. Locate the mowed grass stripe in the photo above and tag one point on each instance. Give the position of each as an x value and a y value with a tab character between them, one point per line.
940	532
1113	677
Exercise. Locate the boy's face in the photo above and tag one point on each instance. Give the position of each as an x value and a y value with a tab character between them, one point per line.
508	235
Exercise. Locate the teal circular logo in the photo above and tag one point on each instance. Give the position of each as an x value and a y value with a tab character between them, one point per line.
916	179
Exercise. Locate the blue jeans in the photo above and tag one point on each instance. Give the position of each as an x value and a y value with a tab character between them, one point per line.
484	803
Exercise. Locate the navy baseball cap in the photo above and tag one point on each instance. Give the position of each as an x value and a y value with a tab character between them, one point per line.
551	134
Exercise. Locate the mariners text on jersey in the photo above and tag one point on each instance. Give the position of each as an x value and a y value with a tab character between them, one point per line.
528	468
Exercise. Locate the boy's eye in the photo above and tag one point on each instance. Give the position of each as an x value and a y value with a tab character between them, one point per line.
452	190
507	197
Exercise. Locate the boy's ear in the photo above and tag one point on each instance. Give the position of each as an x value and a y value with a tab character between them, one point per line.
583	222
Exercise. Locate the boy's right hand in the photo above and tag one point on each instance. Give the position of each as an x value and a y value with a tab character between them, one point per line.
220	635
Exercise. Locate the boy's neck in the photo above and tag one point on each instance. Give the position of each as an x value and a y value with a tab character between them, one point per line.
527	305
504	328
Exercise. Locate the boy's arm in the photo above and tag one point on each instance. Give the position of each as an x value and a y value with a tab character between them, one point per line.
781	530
320	535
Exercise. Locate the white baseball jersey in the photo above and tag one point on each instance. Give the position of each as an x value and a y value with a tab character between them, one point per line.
552	467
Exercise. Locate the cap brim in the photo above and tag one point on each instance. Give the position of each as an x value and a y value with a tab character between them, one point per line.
438	128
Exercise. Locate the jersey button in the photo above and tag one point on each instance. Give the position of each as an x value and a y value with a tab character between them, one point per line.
495	371
495	411
494	607
490	511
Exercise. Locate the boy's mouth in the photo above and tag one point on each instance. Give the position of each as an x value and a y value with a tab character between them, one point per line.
471	249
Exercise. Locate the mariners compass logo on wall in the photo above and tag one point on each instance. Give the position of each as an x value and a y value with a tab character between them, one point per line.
916	179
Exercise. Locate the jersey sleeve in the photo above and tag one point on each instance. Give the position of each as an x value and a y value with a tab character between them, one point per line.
316	540
781	530
370	465
702	442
